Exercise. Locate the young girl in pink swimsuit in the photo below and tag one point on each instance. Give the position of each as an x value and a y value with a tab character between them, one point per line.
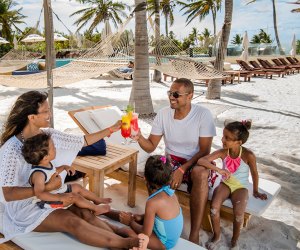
237	161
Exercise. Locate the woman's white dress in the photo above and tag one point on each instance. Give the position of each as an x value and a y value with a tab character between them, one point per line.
23	216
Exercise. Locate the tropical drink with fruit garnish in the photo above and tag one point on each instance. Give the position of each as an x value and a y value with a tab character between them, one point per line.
125	128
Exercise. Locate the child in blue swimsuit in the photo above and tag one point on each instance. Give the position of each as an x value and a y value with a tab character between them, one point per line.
163	220
237	162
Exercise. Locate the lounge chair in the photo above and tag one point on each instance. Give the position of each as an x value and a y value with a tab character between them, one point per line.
254	71
278	64
292	61
296	60
284	62
257	66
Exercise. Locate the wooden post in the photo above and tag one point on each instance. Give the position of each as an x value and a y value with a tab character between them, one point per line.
50	54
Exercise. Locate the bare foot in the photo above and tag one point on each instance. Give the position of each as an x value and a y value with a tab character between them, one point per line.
213	243
101	209
143	242
138	217
234	245
103	201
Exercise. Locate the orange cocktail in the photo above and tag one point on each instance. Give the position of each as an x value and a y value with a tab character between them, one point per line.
125	128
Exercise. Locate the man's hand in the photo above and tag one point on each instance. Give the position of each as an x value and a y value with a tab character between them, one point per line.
137	136
176	179
54	182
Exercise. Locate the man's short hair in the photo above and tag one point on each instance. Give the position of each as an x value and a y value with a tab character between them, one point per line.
188	84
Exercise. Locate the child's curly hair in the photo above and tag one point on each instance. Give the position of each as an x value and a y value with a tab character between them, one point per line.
36	148
158	171
239	129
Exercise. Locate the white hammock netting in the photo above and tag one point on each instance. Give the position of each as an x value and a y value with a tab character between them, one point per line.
113	52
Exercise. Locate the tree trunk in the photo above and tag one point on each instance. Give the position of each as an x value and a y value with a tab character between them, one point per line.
140	93
157	74
214	87
166	25
275	29
50	54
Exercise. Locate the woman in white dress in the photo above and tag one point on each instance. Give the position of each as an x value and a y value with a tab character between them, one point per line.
29	114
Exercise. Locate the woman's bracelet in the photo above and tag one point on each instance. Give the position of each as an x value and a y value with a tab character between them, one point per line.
181	170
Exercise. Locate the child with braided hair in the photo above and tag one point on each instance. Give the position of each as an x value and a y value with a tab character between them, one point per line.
237	161
163	219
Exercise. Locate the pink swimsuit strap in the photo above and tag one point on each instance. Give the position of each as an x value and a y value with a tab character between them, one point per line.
232	164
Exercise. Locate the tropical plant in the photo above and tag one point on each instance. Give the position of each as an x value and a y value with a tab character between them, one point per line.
194	36
201	8
140	93
275	25
237	39
10	18
296	10
100	11
298	47
214	88
261	37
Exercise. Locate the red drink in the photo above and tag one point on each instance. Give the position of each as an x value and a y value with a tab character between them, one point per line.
134	124
125	132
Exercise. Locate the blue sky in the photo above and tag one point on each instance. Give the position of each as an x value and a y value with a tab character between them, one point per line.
249	18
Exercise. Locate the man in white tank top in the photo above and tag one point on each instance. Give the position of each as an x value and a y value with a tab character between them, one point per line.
188	130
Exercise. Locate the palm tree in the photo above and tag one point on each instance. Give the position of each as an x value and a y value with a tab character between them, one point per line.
214	88
100	11
140	92
167	8
237	39
275	25
201	9
194	35
10	18
296	10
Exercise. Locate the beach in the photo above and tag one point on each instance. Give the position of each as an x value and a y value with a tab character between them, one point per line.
272	104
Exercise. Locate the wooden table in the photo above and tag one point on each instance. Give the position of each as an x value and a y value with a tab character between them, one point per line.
96	167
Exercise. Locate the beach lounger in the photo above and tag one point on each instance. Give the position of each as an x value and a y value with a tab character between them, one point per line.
255	71
292	61
257	66
62	241
285	63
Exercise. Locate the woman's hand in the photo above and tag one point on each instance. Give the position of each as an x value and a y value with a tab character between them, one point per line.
259	195
54	182
116	126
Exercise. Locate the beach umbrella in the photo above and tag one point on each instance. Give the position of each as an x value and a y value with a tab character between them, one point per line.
293	50
15	43
79	40
59	38
33	38
245	45
3	41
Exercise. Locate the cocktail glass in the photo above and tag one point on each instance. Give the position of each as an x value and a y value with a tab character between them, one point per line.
134	125
125	128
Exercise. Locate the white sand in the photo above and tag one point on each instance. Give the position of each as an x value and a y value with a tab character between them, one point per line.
274	107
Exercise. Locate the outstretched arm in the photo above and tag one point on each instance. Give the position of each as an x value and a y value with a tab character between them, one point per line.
92	138
253	170
149	144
